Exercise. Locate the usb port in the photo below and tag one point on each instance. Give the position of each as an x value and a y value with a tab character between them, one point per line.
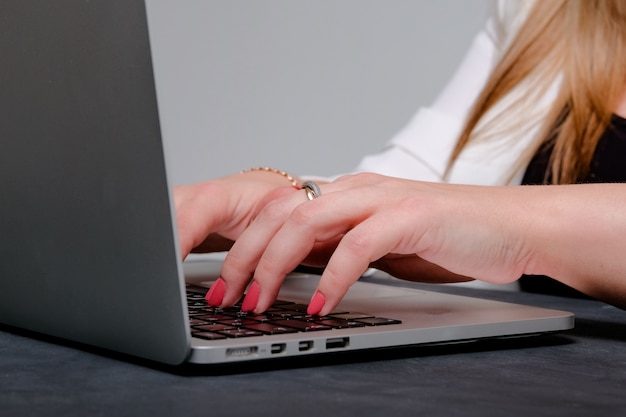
278	348
337	342
304	346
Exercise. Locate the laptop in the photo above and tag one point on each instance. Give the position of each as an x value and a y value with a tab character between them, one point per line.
88	240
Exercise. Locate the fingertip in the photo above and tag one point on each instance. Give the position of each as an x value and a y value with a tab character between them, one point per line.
252	298
215	296
316	305
264	300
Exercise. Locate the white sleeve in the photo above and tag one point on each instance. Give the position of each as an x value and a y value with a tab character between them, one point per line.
421	150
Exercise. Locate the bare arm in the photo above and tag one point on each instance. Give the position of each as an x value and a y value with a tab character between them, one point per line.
573	233
578	234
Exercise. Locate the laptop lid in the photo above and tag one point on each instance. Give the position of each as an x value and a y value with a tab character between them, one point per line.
87	235
88	238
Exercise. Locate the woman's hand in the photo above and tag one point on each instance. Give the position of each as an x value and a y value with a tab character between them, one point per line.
360	220
212	214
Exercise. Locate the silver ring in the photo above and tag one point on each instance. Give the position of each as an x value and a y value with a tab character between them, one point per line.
311	189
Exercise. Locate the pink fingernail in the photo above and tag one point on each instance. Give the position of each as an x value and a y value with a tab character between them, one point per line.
316	304
215	296
252	297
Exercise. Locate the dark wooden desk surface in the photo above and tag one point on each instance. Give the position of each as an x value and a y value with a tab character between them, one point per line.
578	373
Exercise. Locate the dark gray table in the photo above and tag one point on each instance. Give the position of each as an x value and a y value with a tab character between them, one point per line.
578	373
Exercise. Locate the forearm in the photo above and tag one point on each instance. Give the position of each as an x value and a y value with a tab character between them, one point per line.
577	234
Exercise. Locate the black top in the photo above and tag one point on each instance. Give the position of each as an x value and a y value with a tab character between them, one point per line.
608	165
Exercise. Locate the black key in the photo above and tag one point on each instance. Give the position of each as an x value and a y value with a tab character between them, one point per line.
269	328
340	323
281	303
194	321
304	326
310	317
196	303
218	317
272	310
378	321
284	314
195	313
262	318
215	327
193	290
208	335
232	311
238	322
206	317
240	332
199	310
351	316
296	307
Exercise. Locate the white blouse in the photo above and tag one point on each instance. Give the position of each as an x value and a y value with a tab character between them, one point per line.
421	150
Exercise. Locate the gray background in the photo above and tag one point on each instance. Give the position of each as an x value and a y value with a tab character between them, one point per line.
305	86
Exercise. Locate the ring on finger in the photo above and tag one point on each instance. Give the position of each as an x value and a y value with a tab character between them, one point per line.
311	189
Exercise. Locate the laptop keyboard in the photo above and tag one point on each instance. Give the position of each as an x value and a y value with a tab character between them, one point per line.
283	317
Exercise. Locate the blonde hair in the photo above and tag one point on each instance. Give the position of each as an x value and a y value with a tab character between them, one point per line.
579	45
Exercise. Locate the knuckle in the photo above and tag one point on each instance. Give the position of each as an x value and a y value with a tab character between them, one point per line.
302	215
273	211
359	178
366	177
208	189
357	242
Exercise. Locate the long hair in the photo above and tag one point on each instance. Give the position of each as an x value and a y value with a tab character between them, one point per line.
578	46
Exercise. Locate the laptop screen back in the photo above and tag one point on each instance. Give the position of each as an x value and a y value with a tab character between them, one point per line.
85	219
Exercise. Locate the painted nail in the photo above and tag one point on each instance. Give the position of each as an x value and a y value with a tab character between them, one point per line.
216	294
252	297
316	304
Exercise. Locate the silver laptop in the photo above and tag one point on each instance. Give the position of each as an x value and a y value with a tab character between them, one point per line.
88	246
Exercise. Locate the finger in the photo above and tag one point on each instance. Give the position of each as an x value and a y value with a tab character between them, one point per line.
242	259
223	206
321	253
197	214
366	242
320	220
